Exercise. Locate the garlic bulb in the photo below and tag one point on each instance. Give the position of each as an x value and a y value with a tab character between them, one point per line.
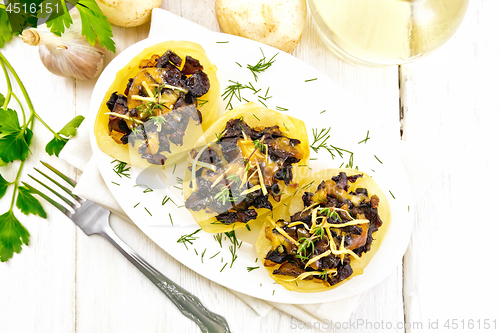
68	55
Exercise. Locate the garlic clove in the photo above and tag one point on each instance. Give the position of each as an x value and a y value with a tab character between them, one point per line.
68	55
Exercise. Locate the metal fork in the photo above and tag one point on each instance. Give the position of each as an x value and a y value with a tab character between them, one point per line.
94	219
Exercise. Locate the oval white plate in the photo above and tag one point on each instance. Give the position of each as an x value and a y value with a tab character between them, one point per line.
306	94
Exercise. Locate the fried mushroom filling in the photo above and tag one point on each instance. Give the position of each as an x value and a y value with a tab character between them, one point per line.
319	242
157	105
240	171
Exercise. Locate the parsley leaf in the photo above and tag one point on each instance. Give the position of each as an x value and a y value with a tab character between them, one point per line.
55	145
3	186
14	139
60	139
5	28
28	203
12	236
9	123
95	24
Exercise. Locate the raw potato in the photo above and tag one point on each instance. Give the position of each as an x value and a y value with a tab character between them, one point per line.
278	23
128	13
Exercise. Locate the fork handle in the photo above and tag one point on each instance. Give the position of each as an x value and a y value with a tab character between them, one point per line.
187	303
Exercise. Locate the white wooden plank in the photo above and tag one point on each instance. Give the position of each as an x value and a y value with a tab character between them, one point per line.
37	286
455	113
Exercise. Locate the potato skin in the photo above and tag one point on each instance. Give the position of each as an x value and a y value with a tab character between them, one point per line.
128	13
278	23
182	48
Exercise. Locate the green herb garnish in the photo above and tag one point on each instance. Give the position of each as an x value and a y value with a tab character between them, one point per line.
232	249
95	26
324	275
15	141
218	238
320	141
121	169
147	188
365	139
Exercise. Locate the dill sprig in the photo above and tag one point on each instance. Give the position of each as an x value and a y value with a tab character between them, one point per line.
121	169
259	145
324	275
188	238
262	65
214	255
304	244
249	269
341	152
234	179
366	138
320	141
147	188
231	235
234	91
202	102
330	213
224	195
218	238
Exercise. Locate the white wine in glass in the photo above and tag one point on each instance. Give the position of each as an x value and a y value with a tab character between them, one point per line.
386	32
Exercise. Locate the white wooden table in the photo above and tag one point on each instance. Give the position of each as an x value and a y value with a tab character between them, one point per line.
67	282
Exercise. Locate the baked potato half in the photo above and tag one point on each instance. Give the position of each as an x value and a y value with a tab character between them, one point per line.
328	232
248	162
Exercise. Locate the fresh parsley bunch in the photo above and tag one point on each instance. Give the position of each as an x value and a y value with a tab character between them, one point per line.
15	140
95	26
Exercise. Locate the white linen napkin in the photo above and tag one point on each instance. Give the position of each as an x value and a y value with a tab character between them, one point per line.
78	153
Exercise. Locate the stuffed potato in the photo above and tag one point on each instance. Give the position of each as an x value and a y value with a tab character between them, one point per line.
163	93
252	158
332	232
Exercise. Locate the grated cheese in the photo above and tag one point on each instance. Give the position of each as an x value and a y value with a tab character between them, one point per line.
125	117
306	274
250	190
195	162
261	180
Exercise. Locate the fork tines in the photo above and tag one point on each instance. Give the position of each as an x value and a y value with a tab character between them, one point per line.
67	191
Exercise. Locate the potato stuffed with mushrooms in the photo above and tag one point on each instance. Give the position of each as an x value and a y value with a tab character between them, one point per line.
158	105
328	233
251	159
